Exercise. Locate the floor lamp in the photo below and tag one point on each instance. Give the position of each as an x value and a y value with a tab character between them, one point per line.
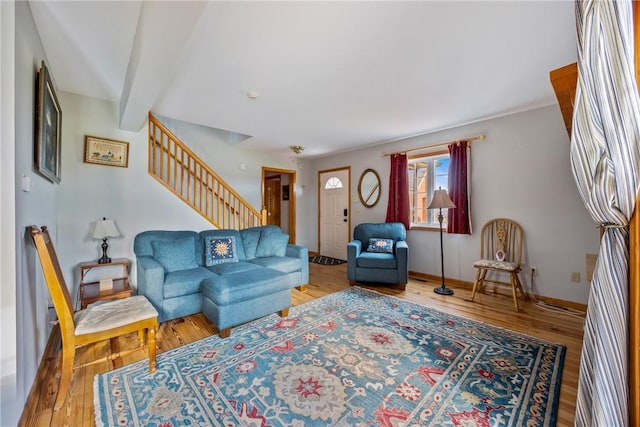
441	200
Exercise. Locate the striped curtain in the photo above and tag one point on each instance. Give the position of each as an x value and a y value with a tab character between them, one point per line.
605	160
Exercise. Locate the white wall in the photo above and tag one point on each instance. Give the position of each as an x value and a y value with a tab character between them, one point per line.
8	365
521	171
35	207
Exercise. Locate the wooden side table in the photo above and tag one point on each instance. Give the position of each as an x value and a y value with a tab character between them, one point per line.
90	281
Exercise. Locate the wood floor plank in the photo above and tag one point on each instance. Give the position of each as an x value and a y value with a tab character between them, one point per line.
494	309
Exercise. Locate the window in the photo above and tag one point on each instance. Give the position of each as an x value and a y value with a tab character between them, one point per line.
427	173
333	182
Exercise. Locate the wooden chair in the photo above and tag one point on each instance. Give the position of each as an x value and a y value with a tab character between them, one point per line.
97	322
500	252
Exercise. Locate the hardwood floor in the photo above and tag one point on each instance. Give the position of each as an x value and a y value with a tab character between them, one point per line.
492	309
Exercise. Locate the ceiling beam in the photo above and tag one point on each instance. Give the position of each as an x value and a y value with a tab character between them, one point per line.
155	56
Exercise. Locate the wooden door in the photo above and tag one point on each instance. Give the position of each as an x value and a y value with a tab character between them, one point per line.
272	199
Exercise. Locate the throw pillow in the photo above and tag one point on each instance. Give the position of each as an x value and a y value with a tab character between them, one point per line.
175	255
220	249
380	245
272	244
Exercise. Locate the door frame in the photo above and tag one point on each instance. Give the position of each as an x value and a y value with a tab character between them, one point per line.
292	196
320	172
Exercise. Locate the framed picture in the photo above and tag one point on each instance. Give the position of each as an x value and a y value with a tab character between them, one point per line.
48	131
285	192
105	151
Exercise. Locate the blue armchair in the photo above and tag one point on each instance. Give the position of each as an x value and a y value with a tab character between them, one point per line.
378	253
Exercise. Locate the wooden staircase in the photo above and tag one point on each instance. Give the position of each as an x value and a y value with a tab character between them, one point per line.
187	176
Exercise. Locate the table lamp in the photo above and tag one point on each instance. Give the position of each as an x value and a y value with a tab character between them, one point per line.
105	228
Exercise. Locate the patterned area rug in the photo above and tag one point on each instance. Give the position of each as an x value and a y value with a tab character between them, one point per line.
353	358
325	260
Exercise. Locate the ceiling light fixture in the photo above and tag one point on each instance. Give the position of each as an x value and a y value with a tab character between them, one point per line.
253	94
296	148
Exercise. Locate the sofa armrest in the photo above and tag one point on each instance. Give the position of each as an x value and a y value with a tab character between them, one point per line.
354	248
297	251
402	260
150	280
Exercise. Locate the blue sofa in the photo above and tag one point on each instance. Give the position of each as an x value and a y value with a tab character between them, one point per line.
232	276
378	253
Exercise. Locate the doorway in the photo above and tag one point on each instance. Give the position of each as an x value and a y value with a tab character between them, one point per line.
279	199
334	193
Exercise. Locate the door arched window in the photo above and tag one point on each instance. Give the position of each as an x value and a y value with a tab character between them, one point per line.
333	182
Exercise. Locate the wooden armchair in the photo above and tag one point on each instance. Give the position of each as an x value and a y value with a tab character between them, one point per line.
97	322
500	252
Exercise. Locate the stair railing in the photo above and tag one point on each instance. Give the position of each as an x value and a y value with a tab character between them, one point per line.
183	173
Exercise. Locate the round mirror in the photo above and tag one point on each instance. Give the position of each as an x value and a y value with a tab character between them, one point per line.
369	188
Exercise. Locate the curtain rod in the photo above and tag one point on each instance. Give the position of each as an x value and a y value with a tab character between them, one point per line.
444	144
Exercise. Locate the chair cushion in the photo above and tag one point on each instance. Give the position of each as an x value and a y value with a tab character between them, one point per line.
113	314
376	260
184	282
380	245
496	265
175	255
220	249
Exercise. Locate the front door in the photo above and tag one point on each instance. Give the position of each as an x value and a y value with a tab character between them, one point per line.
334	197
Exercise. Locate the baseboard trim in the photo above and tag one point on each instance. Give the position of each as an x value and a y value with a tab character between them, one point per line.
465	284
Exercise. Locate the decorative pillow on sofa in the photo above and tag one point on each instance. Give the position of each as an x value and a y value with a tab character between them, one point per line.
272	244
175	255
220	249
380	245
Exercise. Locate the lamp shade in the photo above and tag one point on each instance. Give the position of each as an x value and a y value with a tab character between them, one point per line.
441	200
105	228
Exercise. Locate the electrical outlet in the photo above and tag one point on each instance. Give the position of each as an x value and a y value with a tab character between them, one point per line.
575	277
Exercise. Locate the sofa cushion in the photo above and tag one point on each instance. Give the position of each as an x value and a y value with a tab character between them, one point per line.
219	250
222	233
380	245
250	238
175	255
185	282
285	264
376	260
273	242
243	286
232	267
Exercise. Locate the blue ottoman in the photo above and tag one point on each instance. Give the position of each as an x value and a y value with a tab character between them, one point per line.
240	297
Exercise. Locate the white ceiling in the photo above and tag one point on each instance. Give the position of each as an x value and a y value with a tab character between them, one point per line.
331	76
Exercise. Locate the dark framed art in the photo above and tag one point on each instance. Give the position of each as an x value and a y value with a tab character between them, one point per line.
48	128
285	192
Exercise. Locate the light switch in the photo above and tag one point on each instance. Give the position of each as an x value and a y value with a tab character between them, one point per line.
26	183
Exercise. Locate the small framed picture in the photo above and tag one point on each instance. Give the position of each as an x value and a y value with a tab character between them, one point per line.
105	151
285	192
